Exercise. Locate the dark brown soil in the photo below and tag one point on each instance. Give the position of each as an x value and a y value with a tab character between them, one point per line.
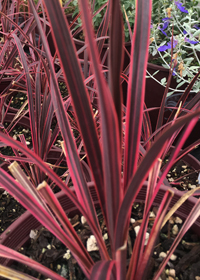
10	210
49	251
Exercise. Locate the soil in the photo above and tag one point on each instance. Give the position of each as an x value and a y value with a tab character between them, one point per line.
49	251
10	210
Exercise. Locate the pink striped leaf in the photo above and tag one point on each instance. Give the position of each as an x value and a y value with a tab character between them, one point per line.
102	270
142	172
109	129
116	58
193	215
11	254
81	101
55	178
136	88
38	209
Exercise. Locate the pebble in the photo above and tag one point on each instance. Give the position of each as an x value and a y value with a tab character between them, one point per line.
146	238
63	272
198	181
67	255
105	237
172	272
175	230
132	221
137	228
83	220
173	257
178	220
33	234
58	267
152	215
171	180
92	244
193	186
162	255
171	221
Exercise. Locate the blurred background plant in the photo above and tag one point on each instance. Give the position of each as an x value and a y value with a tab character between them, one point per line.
127	5
180	16
180	20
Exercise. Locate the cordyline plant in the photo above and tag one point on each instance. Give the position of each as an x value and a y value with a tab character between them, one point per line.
113	152
21	59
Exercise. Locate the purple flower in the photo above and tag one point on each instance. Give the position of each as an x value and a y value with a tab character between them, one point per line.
162	31
190	41
179	5
168	46
174	72
196	26
164	25
184	31
165	47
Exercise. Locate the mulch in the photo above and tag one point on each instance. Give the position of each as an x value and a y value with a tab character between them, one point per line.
49	251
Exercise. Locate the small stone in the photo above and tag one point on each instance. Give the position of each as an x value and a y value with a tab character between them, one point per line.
162	255
193	186
49	246
173	257
172	272
58	267
132	221
184	166
197	277
171	221
175	230
67	255
198	179
137	228
33	234
28	143
63	272
178	220
152	215
92	244
146	238
171	180
105	237
83	220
